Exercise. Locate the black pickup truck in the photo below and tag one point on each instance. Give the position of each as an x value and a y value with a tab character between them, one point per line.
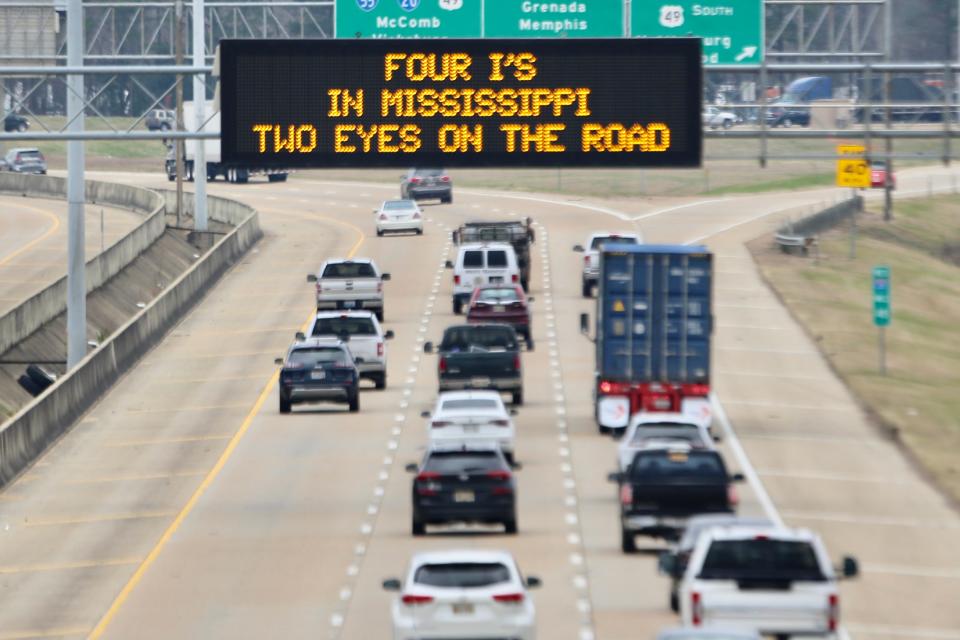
480	356
663	487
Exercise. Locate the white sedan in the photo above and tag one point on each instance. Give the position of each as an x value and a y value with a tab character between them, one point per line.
653	430
399	215
463	593
472	417
714	118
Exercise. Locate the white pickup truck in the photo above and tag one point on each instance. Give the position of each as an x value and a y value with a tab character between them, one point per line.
363	336
775	581
350	284
591	255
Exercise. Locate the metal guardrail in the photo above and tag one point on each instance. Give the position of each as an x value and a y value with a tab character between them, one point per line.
802	234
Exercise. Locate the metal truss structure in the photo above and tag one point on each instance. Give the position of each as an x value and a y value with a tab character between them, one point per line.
828	30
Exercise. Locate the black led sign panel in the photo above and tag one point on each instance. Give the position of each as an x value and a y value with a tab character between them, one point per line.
461	103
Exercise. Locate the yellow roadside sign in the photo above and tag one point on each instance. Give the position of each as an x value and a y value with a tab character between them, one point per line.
852	171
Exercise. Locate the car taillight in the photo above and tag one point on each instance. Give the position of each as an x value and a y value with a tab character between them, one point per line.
379	349
413	600
606	386
424	476
499	475
383	216
626	494
586	260
319	288
416	215
443	365
516	363
515	278
456	279
733	499
833	611
500	423
511	598
379	287
436	424
696	389
444	178
696	609
414	180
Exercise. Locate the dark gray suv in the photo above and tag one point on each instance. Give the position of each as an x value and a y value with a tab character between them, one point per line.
424	184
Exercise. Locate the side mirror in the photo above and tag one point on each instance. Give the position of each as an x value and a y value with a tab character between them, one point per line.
278	361
530	298
584	323
376	211
737	477
455	235
411	467
851	568
428	347
391	584
424	414
299	336
716	437
388	335
385	277
533	582
514	412
615	476
311	277
578	248
667	564
448	265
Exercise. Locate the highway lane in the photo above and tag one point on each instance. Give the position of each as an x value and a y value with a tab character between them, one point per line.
33	242
273	544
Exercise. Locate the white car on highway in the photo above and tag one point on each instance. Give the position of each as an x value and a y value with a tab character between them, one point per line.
591	255
775	581
470	417
363	336
399	215
463	593
649	430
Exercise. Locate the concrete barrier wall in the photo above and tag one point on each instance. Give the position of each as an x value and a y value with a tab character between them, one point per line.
25	435
33	313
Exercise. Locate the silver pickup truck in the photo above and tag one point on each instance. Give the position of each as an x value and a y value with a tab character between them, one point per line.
350	284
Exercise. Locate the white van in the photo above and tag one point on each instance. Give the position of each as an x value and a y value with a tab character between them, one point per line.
479	264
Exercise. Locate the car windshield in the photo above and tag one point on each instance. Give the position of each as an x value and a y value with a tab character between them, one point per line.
464	575
689	434
485	337
398	205
611	239
498	296
678	465
349	325
761	558
35	156
455	462
429	173
469	403
314	356
349	270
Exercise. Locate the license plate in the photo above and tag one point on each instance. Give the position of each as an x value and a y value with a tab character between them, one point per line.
463	496
470	428
480	382
349	304
499	308
318	375
496	279
462	607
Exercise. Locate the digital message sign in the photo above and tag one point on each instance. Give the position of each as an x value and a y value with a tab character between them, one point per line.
461	103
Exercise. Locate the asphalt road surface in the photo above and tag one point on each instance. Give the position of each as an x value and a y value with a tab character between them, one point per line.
33	242
184	506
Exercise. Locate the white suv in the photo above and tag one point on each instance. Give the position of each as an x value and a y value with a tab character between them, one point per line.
479	264
775	581
463	593
591	254
361	333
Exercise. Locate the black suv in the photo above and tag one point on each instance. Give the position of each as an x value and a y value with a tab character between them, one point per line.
15	122
458	484
424	184
318	370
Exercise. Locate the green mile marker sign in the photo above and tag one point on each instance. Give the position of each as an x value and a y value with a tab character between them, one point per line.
881	296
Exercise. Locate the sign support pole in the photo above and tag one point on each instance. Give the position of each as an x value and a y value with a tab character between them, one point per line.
853	227
76	260
200	111
882	346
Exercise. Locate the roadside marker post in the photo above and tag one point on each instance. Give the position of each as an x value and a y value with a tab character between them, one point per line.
881	311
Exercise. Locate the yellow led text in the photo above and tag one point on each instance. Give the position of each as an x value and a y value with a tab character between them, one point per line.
655	137
422	66
341	102
542	137
385	138
298	139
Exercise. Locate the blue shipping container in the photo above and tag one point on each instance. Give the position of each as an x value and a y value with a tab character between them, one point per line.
654	318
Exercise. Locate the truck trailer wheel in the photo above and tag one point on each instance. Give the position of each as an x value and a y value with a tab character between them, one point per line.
518	397
277	177
587	289
457	306
627	542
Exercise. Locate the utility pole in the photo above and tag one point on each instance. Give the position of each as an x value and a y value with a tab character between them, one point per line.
199	107
179	144
76	260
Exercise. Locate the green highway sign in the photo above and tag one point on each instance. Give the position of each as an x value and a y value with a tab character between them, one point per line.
732	30
881	296
578	19
408	18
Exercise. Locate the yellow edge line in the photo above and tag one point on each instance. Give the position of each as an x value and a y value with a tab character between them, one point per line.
137	576
46	234
43	633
